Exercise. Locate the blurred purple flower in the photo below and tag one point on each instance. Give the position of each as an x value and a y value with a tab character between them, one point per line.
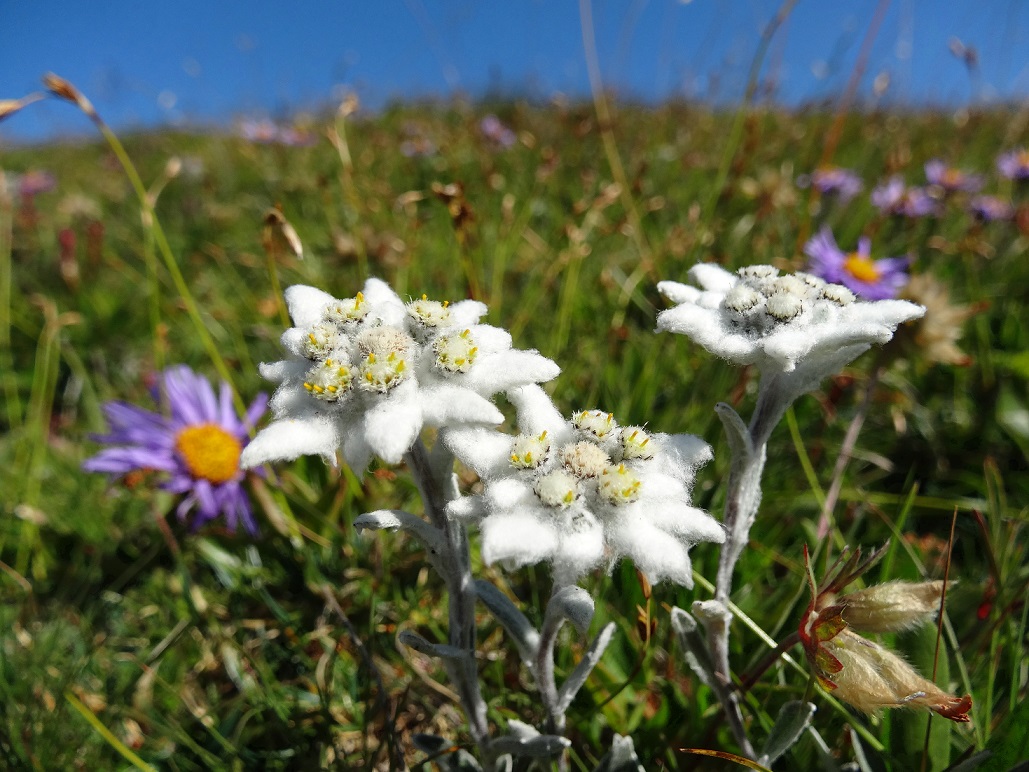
836	181
34	182
1014	164
894	197
952	180
198	444
496	132
990	208
262	131
865	277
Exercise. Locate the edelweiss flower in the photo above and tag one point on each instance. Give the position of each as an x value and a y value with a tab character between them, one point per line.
583	492
198	444
781	324
367	373
857	271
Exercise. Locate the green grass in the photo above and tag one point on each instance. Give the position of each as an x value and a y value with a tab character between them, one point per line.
115	651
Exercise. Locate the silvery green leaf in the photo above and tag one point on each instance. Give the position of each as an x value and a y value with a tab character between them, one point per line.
713	614
859	752
736	431
825	757
396	519
621	758
582	671
790	724
526	638
694	647
539	746
573	604
442	650
504	763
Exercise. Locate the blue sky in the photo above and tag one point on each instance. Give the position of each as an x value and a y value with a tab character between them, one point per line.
210	61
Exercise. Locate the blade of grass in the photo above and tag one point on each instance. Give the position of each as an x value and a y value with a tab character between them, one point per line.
125	752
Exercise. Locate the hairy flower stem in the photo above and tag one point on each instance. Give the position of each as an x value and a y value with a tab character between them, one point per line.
547	685
433	476
749	449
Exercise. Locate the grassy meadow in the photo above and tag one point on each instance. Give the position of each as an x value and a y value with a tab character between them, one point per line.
128	640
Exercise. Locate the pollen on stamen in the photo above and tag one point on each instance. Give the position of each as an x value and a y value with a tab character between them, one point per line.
330	380
584	459
557	489
321	339
455	353
636	444
346	311
380	374
529	451
619	485
595	422
429	313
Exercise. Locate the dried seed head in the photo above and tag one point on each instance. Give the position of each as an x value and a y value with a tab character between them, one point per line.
891	607
584	459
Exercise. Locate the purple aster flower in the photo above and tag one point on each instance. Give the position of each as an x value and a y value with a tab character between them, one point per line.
197	442
836	181
261	131
496	132
990	208
865	277
34	182
894	197
952	180
1014	164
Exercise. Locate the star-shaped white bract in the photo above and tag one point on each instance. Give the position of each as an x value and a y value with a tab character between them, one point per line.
365	374
757	317
584	492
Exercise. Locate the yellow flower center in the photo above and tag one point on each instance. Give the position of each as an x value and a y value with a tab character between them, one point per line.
210	452
861	268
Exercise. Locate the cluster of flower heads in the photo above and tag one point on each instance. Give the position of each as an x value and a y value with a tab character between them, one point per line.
757	316
943	181
366	373
581	492
197	441
266	132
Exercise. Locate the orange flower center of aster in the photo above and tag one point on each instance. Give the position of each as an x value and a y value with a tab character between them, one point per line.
953	177
861	267
210	452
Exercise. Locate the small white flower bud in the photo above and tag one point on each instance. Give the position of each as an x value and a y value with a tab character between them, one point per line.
595	422
329	380
619	485
345	311
636	444
557	489
584	459
742	298
529	451
455	353
758	272
838	294
383	341
381	373
321	339
791	285
429	313
783	306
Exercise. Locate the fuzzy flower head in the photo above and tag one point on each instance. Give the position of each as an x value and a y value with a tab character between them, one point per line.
844	184
1014	164
583	492
857	271
857	670
797	324
365	374
196	440
950	179
895	198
